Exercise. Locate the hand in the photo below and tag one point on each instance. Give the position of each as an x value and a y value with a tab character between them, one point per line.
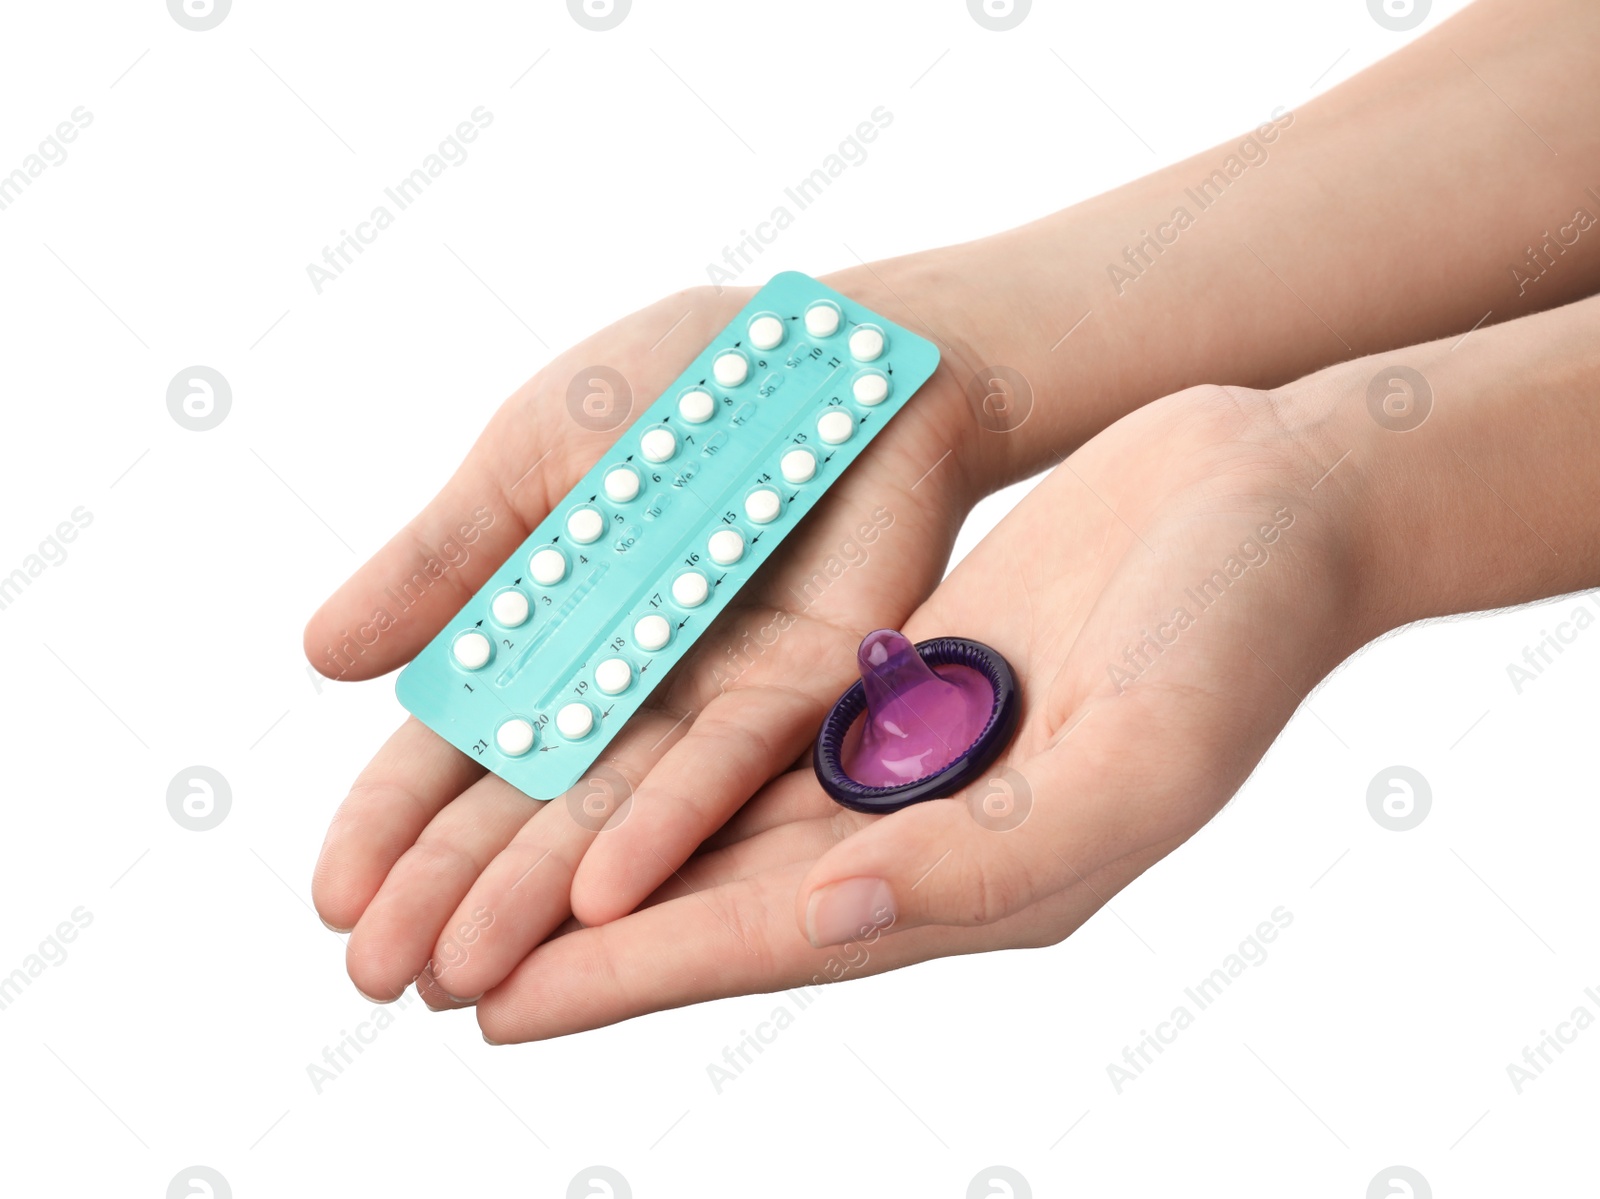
430	859
1013	299
1167	597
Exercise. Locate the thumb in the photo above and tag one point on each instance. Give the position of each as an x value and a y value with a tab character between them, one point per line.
1032	828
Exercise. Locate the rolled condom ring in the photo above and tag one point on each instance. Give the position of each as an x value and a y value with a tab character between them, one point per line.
924	722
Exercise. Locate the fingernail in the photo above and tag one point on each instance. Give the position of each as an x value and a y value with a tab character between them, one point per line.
374	998
334	927
487	1041
846	910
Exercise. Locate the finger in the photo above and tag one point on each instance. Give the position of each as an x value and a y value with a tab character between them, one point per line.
788	799
413	776
394	604
524	893
740	739
802	841
392	941
435	996
1031	829
790	820
737	939
517	900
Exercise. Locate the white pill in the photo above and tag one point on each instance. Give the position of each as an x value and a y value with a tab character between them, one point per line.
766	332
866	344
690	589
696	406
798	466
471	650
574	721
730	369
585	525
613	676
870	390
658	444
834	426
510	608
822	320
514	737
726	546
548	567
762	505
652	632
622	485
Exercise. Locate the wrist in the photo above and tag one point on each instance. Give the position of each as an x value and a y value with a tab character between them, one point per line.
929	292
1462	470
1012	394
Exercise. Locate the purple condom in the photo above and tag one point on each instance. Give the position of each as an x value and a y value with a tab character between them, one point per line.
923	722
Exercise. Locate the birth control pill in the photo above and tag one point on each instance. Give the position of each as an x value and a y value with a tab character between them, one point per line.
834	426
762	505
766	332
510	608
696	406
726	546
870	390
690	589
798	466
652	632
548	567
514	737
613	676
730	369
822	320
471	650
585	525
622	485
574	721
866	343
658	444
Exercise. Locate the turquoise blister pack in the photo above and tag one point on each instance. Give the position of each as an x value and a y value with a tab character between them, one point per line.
545	664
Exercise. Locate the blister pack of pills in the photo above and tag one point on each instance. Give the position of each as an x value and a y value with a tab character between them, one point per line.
546	663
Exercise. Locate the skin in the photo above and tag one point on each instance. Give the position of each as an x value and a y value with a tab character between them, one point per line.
1341	528
426	845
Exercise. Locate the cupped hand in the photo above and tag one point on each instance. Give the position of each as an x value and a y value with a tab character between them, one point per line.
432	861
1167	597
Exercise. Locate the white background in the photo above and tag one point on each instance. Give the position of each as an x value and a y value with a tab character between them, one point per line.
179	1028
